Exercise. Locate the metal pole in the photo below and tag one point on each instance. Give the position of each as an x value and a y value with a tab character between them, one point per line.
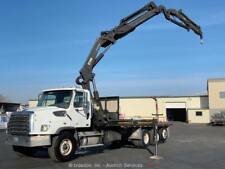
156	156
156	140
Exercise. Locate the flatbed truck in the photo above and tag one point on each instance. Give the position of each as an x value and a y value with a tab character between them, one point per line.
69	119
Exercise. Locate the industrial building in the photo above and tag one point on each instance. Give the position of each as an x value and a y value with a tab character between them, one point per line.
216	93
190	109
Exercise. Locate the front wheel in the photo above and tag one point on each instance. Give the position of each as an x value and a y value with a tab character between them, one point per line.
63	147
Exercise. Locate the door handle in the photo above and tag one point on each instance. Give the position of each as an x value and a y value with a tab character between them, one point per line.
78	109
88	115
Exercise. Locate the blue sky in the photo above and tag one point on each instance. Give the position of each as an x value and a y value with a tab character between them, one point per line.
43	44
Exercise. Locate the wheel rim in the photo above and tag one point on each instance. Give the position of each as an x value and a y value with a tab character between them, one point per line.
156	137
65	147
146	138
164	133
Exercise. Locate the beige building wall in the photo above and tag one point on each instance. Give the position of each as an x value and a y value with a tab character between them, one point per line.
194	116
191	102
112	106
32	103
145	107
137	108
216	92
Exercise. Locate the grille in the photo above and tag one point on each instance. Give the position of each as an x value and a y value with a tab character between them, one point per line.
19	123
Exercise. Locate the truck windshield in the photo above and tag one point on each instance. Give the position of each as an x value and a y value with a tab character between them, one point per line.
60	98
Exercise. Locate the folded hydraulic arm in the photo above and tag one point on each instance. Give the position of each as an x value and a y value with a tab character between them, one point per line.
126	26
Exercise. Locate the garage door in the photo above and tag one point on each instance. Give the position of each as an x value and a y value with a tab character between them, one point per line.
176	111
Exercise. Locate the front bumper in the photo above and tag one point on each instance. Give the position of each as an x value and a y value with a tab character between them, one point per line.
28	141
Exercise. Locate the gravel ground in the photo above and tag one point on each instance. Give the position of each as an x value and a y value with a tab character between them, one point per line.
189	147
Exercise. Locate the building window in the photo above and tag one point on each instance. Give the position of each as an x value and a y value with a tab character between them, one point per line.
198	113
222	95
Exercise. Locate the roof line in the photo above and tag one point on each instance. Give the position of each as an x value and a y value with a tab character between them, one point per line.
216	80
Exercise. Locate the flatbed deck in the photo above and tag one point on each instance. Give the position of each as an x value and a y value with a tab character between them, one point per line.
137	123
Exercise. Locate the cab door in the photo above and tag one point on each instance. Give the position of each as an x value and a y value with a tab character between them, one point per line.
81	107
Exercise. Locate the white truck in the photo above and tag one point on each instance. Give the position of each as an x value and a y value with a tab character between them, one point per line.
62	122
69	119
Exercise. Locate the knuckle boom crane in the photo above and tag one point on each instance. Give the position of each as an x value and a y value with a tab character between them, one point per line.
70	119
108	38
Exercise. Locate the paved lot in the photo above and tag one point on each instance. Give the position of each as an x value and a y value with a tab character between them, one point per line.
190	146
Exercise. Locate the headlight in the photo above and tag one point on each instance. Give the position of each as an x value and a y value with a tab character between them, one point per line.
44	127
31	122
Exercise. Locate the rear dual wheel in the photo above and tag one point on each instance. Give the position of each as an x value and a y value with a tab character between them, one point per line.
163	135
154	140
148	138
145	140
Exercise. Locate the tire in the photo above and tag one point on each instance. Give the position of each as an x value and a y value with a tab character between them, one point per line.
163	135
144	142
63	147
152	137
24	151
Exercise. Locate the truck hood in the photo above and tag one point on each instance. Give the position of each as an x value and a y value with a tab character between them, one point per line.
45	109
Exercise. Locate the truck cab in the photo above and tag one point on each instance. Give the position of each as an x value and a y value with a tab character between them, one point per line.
71	104
58	110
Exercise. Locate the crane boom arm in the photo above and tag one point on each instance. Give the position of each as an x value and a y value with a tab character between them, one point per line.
126	26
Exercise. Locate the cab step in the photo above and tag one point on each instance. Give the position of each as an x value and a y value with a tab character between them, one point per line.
89	134
90	146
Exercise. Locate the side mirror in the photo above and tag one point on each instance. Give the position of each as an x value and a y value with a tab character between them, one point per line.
39	96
